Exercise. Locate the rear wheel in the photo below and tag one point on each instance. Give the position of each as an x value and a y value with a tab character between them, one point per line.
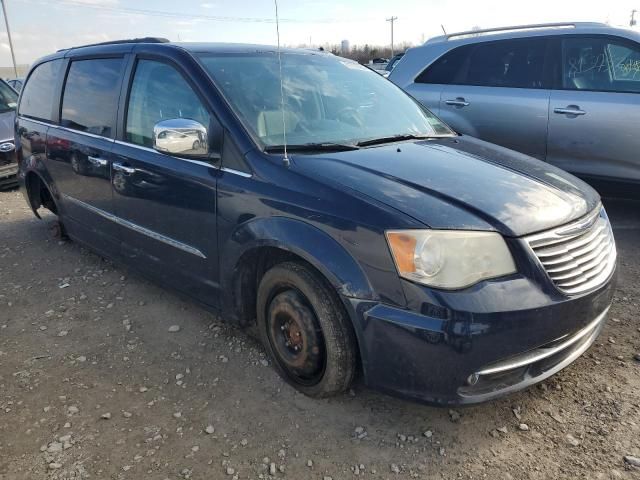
305	330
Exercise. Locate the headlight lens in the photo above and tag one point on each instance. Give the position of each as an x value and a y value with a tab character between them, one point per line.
449	259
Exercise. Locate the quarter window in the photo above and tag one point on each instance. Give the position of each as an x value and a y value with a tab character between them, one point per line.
603	64
506	63
37	94
159	92
90	98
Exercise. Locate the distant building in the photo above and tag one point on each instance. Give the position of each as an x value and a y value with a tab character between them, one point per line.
345	47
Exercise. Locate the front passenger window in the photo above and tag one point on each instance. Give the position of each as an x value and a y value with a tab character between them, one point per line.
159	92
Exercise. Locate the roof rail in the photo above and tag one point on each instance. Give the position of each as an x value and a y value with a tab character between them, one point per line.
117	42
534	26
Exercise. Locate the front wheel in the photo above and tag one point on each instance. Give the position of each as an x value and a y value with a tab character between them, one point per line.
305	330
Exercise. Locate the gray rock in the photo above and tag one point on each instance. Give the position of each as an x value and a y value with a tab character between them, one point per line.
394	468
210	430
454	416
54	447
106	416
571	440
174	329
635	461
523	427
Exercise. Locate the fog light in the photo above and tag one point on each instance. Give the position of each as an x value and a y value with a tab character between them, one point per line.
473	379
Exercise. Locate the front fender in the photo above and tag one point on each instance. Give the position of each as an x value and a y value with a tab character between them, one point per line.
304	240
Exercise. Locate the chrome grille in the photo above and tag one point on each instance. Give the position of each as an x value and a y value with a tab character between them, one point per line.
579	256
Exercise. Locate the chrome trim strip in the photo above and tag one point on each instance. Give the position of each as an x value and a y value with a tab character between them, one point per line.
80	132
197	162
541	353
39	122
137	228
236	172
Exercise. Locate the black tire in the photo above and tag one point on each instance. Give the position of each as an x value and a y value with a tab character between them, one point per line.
306	331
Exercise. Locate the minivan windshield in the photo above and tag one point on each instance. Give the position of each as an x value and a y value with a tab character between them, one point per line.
328	101
8	97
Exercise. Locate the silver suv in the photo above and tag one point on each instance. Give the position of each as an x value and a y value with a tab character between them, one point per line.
565	93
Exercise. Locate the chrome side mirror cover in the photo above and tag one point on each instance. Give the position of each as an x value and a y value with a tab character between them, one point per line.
181	137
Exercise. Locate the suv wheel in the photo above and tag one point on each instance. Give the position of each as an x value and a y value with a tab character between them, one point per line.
305	330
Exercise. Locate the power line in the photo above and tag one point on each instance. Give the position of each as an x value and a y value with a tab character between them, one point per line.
162	13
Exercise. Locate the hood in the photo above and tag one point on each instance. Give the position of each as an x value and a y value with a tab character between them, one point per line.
459	183
6	125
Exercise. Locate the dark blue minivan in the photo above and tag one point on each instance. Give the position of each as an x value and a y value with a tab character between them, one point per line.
317	203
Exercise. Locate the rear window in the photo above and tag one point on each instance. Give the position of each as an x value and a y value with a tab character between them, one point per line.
37	93
90	98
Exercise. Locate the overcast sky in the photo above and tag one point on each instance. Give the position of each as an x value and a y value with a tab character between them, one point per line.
42	26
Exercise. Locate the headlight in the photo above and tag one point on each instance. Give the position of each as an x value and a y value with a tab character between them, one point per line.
449	259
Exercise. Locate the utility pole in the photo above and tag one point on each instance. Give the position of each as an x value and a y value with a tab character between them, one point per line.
392	19
6	22
633	22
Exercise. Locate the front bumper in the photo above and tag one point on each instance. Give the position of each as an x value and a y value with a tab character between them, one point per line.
473	346
8	175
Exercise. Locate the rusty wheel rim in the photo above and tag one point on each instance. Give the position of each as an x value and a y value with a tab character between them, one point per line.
296	337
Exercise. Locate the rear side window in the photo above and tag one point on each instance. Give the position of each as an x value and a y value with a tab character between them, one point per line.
506	63
601	64
159	92
90	98
37	93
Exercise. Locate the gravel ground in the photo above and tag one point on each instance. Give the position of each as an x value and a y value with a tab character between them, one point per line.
95	382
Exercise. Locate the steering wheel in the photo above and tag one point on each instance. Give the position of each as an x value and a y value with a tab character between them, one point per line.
351	116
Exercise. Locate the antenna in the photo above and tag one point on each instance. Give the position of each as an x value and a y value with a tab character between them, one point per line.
285	159
442	26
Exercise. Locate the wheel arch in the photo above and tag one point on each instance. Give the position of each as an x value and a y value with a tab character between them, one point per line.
38	193
259	244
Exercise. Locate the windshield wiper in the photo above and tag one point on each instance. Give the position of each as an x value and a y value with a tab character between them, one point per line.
312	147
392	138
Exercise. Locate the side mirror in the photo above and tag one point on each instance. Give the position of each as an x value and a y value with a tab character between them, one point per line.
181	137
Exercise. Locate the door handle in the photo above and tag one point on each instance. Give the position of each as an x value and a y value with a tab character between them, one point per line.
458	102
570	110
98	162
119	167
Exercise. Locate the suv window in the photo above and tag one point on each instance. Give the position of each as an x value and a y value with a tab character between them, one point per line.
446	69
8	98
90	98
159	92
505	63
605	64
37	94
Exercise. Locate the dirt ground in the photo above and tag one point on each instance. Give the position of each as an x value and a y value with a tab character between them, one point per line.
94	385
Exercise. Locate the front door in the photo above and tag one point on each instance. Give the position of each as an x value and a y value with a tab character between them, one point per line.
595	112
166	205
501	94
